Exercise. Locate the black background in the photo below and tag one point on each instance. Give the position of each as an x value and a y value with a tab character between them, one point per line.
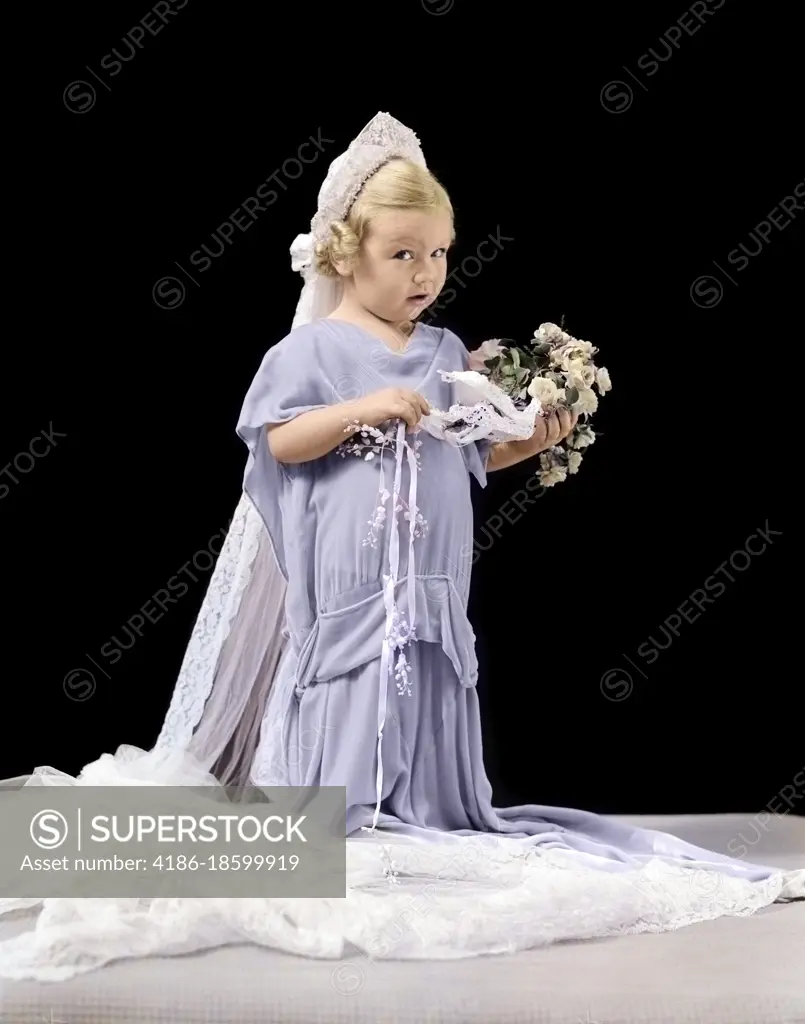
615	203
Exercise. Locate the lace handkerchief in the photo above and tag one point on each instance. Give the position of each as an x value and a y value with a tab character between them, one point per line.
481	410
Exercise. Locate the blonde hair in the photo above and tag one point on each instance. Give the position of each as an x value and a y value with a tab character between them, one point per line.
397	185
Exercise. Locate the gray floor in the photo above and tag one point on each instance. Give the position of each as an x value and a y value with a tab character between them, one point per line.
729	971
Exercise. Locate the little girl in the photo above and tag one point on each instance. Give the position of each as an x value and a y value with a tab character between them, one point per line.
350	543
316	498
370	601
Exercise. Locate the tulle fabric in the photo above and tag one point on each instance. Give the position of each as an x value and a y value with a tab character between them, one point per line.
230	664
228	732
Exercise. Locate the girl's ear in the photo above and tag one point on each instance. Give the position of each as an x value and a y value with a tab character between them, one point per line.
342	268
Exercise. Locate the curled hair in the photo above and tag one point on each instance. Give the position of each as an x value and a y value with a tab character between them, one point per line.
397	185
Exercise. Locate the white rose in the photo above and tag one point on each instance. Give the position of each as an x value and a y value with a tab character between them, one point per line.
581	376
602	379
557	359
566	356
573	462
554	475
581	437
587	401
545	391
551	333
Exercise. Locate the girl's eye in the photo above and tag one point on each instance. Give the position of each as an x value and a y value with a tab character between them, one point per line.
407	254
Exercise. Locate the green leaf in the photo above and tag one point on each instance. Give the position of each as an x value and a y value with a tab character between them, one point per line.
571	396
516	357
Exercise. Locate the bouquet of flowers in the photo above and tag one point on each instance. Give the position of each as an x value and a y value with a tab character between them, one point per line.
509	385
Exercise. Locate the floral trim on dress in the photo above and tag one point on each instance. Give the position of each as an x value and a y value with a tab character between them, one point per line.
366	443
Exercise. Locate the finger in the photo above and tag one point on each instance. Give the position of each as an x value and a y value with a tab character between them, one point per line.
418	401
553	428
404	412
411	414
417	407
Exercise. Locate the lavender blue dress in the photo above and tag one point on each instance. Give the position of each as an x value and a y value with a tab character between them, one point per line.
318	515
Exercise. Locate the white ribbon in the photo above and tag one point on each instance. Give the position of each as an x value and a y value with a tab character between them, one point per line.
392	638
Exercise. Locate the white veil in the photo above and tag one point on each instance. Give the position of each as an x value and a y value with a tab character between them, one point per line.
239	635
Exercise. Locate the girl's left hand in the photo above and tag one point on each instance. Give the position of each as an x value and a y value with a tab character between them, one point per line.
550	430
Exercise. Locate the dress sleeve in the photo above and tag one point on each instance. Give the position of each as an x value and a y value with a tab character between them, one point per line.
288	382
476	453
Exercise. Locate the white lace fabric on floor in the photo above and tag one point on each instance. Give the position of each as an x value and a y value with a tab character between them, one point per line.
444	898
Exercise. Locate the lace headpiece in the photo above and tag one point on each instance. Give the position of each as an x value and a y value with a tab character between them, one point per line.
383	139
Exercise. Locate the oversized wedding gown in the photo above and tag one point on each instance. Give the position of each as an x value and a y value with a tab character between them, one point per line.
442	873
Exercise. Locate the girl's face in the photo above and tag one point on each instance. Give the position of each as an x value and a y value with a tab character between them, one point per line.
402	263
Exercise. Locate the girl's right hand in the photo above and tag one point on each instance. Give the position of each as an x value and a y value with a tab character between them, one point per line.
392	403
